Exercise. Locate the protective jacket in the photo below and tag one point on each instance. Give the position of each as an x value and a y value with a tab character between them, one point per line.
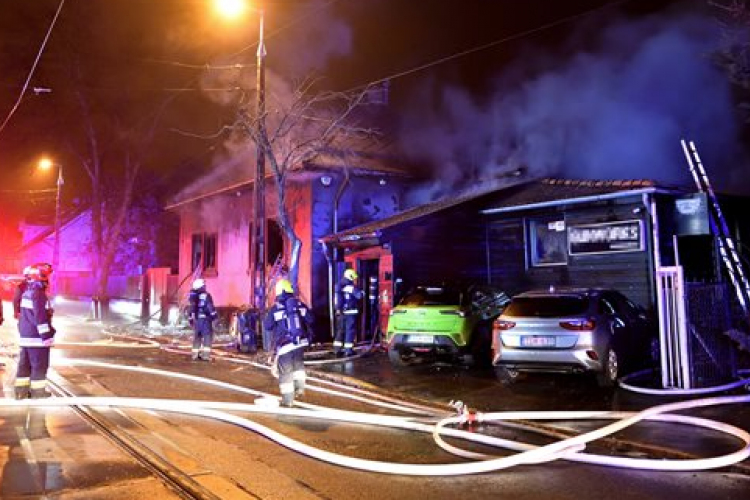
35	323
348	297
202	310
290	321
17	293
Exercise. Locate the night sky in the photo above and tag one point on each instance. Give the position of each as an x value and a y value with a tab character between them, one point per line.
582	89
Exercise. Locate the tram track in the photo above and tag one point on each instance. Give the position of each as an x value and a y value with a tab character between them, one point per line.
179	482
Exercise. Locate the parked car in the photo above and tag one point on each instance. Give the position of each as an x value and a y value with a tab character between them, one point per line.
443	322
573	330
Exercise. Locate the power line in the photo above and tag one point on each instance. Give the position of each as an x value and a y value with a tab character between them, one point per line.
33	67
488	45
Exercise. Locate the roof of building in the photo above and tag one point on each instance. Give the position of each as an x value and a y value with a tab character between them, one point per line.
510	196
364	164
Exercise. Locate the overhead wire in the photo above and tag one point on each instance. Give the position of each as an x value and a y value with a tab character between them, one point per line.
33	67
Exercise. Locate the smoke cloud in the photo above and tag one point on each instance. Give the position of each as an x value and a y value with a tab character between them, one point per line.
615	111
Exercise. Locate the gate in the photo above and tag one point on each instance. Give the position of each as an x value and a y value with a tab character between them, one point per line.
675	351
693	320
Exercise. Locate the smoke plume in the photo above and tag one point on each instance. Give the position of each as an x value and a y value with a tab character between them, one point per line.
615	111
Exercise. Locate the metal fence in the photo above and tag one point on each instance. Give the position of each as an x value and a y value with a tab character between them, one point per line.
712	351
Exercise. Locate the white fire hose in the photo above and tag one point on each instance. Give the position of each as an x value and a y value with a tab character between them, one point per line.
567	449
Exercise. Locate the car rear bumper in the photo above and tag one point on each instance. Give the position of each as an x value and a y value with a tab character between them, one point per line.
549	360
438	344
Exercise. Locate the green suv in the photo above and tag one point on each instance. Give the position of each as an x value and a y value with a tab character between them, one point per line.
444	322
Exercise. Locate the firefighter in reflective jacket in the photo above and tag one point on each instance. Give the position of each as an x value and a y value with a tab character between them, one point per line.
348	300
289	321
36	335
202	316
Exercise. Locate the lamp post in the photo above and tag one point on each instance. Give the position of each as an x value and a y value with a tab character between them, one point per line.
260	171
47	164
233	9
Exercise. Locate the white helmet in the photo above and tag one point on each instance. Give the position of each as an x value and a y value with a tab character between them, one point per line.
199	283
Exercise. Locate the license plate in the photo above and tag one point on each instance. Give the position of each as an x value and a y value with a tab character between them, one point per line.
420	339
537	341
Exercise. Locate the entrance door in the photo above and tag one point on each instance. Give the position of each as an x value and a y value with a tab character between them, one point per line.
375	269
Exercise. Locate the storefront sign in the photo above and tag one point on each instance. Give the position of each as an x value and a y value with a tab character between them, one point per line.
607	237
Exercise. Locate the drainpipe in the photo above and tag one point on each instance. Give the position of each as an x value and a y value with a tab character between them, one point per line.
332	257
327	254
649	201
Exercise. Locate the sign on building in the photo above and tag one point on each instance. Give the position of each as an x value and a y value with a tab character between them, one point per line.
606	237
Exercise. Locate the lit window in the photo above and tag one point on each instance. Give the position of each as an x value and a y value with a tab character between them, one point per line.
548	243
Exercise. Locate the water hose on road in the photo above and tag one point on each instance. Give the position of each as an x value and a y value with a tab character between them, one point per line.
567	449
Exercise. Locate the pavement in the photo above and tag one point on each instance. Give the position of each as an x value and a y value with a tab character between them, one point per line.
373	372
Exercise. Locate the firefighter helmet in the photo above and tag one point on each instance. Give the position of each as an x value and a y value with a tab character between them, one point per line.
283	285
44	268
351	274
199	283
38	272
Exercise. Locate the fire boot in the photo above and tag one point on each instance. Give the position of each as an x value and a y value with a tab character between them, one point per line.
287	400
21	392
39	394
196	356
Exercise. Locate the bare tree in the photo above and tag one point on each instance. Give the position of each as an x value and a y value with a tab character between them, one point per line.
111	194
302	125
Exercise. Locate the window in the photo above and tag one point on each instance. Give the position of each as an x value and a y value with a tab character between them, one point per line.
546	307
548	243
204	252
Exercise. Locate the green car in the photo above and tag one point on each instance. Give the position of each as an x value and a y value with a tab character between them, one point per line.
439	322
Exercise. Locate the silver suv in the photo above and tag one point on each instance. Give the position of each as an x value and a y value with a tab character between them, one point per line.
572	330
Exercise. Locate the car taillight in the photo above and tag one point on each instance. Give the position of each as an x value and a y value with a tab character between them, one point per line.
502	325
578	324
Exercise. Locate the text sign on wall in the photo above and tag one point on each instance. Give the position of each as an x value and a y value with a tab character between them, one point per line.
607	237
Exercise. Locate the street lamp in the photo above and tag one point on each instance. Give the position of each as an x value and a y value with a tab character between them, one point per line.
233	9
47	164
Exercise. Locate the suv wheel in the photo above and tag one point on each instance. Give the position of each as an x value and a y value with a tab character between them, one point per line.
506	375
610	370
397	358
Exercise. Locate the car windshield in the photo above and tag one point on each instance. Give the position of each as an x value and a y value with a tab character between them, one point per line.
431	297
546	307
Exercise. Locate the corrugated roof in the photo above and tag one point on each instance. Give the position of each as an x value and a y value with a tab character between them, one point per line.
510	196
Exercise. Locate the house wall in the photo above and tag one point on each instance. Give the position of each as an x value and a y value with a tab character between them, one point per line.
509	247
362	200
75	247
448	246
229	216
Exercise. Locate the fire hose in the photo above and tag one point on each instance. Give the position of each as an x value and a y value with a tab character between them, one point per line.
567	449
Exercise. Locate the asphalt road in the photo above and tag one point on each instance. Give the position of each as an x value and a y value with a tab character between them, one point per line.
234	463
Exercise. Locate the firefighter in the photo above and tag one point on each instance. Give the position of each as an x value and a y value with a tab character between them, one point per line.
289	320
36	335
202	316
348	299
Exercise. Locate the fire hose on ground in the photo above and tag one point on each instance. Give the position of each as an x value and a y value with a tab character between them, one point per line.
568	449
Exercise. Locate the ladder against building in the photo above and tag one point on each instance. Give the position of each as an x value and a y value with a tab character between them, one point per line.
727	248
